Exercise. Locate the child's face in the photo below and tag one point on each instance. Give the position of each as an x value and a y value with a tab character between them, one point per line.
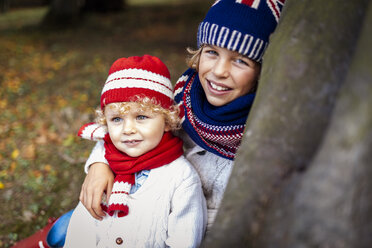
135	132
226	75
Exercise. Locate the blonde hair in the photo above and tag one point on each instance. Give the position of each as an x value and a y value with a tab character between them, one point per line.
171	115
194	57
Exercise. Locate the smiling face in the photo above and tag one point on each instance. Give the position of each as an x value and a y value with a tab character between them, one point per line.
134	131
226	75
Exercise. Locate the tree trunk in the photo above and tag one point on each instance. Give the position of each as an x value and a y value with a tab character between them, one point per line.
103	5
307	179
4	6
63	13
332	205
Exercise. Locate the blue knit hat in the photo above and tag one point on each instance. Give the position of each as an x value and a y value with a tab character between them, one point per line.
241	25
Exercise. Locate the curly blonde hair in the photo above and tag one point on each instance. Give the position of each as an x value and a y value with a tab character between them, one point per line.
171	115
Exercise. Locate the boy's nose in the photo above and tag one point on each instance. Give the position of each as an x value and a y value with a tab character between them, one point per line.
221	68
129	127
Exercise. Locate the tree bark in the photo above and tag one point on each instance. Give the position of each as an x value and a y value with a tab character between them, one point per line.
103	5
4	6
278	186
63	13
332	205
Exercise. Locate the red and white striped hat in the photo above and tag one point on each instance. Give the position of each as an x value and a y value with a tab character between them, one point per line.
132	76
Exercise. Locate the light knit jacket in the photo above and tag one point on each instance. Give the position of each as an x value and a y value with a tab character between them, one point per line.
214	171
168	210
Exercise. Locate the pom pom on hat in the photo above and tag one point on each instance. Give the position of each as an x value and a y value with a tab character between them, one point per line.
243	26
92	131
144	76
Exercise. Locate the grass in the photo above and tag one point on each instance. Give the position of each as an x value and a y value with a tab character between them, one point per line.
50	85
22	17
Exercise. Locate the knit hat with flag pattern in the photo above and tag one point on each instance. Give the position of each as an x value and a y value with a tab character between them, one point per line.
241	25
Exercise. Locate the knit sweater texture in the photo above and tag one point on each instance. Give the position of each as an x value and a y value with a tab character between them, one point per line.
214	171
168	210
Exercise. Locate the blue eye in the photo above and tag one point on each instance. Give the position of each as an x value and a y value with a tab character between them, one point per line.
211	52
116	119
241	61
141	117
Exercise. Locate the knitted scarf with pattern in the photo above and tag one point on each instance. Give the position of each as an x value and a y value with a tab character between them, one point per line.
124	167
216	129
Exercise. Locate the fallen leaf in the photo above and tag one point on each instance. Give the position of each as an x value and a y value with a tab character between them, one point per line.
15	154
29	151
48	168
41	140
53	136
27	215
13	166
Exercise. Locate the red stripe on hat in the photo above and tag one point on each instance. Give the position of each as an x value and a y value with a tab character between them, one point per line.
146	62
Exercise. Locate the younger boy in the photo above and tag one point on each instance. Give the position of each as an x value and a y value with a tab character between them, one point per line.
157	200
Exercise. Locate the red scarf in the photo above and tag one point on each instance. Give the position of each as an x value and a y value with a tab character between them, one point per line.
124	167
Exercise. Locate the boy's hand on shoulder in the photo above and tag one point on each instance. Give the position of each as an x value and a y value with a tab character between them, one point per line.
99	179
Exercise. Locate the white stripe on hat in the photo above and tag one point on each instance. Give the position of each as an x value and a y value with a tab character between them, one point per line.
249	43
253	49
139	74
255	4
202	32
232	38
206	30
258	50
199	34
242	45
213	32
122	83
224	32
261	55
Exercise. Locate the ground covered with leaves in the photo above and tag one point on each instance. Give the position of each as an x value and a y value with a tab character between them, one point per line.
50	85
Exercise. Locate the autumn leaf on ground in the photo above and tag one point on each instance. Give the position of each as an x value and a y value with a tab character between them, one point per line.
29	151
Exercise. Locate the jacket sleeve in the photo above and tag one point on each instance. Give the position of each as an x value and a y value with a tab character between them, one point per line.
187	220
97	155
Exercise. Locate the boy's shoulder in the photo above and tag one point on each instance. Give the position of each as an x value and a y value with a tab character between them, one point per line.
182	164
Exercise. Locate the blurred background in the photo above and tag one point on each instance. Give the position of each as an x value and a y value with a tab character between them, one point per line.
54	59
